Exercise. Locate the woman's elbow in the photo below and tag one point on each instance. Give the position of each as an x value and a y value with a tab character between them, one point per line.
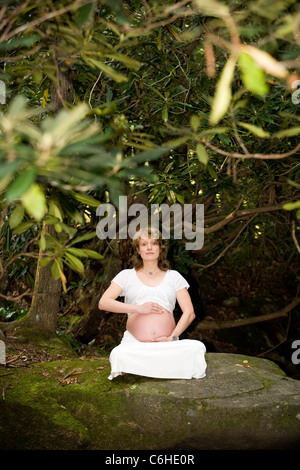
101	304
192	316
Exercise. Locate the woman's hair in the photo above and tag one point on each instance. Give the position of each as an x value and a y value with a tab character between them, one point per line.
137	261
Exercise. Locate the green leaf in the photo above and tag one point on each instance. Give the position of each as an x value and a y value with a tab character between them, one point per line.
16	217
165	114
212	172
34	202
83	238
17	105
23	227
179	197
128	61
171	196
226	194
93	254
45	97
212	8
8	169
55	270
287	132
21	184
195	122
56	213
202	153
83	14
150	154
51	220
84	252
85	199
254	129
71	231
176	142
44	261
213	131
63	124
73	262
159	44
109	71
291	206
253	76
42	242
76	252
223	95
55	210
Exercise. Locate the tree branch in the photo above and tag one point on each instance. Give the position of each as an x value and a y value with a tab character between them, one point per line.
8	35
220	325
18	297
294	236
259	156
226	248
237	214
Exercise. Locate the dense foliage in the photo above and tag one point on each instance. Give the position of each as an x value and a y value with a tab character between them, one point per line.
173	102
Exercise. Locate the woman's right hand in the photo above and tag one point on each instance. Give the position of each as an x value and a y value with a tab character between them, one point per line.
149	307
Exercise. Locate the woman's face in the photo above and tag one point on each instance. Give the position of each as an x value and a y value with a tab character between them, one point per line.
148	249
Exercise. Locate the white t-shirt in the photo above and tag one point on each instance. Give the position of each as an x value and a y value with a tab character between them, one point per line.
137	293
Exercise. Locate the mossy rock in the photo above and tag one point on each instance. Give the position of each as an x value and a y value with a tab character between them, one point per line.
243	403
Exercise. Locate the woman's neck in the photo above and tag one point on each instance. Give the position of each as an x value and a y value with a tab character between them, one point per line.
150	266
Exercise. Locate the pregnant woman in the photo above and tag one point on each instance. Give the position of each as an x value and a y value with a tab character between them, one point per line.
151	345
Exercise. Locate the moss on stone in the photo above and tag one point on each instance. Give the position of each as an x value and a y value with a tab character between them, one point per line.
71	404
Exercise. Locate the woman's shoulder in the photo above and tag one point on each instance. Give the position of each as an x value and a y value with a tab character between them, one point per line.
123	274
178	279
126	272
174	273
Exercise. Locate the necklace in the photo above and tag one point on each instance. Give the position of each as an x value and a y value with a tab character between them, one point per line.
150	272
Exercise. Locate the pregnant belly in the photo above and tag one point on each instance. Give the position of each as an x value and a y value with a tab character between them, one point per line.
147	327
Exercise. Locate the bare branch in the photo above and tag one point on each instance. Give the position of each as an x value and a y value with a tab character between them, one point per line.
220	325
238	214
18	297
6	35
294	236
260	156
226	248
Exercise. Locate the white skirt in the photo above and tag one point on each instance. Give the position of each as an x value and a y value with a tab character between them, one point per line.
183	359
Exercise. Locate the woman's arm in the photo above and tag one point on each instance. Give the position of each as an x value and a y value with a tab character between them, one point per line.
109	303
188	314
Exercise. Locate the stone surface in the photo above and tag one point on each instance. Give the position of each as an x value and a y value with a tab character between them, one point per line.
243	403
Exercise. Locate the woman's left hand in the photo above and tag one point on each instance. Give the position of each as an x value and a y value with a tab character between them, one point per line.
163	338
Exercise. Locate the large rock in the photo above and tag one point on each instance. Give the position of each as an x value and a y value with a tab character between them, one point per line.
243	403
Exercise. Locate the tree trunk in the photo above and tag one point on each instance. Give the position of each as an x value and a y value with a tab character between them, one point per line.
44	307
45	299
